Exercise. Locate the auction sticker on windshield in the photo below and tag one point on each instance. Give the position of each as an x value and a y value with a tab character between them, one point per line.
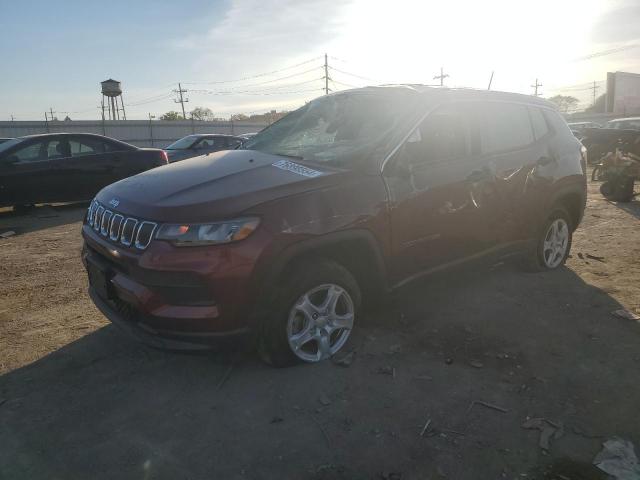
297	168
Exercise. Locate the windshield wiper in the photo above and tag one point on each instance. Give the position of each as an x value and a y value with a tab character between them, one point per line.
296	157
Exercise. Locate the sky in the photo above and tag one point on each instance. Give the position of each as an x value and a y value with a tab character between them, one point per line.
252	56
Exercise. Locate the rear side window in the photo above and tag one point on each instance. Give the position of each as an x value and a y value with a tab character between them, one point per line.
31	153
506	127
540	128
85	146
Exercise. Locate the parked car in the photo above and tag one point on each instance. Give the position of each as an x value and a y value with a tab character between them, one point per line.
630	123
201	144
352	195
578	128
65	167
2	140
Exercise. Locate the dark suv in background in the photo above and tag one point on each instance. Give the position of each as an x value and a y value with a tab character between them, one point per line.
354	194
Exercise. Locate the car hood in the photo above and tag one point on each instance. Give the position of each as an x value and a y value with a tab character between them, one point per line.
214	186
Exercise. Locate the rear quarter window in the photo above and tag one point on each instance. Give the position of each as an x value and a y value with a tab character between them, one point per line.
557	123
540	127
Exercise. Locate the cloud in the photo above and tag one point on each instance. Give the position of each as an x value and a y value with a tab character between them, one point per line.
618	24
257	35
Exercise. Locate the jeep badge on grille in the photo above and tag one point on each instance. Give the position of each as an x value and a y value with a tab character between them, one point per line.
114	202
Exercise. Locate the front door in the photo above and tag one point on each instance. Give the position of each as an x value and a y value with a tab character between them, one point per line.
437	185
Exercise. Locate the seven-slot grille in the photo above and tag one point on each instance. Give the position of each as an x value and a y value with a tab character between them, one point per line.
128	231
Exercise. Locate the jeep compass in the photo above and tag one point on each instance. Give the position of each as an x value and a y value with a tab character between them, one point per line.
350	196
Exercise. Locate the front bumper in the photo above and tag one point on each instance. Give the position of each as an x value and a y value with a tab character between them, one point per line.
170	297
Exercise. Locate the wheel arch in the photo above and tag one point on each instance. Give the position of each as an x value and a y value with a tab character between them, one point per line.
574	200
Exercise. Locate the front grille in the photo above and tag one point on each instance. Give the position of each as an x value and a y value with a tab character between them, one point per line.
128	231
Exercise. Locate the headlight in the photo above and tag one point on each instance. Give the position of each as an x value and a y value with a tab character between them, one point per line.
208	233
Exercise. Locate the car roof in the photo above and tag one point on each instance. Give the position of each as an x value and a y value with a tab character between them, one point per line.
66	134
446	93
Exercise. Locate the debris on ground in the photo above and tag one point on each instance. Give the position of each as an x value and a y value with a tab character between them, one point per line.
476	364
487	405
626	314
424	429
548	430
8	233
580	256
619	459
423	377
277	419
448	361
391	476
595	257
395	348
386	370
346	360
324	400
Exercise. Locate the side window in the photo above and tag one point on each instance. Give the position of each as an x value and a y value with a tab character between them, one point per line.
507	127
540	128
58	148
443	135
85	146
112	147
32	153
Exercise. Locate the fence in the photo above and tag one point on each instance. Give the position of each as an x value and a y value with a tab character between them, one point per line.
143	133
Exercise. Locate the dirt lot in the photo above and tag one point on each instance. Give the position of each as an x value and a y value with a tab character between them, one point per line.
79	400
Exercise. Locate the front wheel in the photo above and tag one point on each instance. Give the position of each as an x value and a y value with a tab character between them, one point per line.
553	244
313	317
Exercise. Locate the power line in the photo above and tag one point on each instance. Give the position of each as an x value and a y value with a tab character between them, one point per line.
354	75
264	74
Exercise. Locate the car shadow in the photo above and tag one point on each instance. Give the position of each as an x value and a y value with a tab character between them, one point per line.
41	217
632	207
107	407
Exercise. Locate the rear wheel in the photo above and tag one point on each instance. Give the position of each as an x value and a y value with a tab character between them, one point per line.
552	245
312	317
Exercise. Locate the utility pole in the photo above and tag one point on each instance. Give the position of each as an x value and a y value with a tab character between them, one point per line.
181	100
442	76
51	110
326	75
594	88
535	87
12	118
151	117
46	121
490	80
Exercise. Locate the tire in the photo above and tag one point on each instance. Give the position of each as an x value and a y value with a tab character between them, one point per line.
618	189
291	322
596	174
537	257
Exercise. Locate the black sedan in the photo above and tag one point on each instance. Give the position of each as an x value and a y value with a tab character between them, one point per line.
201	144
66	167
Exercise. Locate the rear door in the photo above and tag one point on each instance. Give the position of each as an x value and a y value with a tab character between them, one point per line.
509	149
436	218
89	167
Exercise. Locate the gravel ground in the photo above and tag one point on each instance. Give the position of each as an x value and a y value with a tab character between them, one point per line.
471	355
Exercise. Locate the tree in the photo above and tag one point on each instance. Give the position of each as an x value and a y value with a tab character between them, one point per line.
238	117
202	113
598	106
564	102
171	116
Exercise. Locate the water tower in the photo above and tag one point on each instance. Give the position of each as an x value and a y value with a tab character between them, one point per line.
111	93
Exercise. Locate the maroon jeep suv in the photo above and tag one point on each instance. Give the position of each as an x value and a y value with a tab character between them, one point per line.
353	195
